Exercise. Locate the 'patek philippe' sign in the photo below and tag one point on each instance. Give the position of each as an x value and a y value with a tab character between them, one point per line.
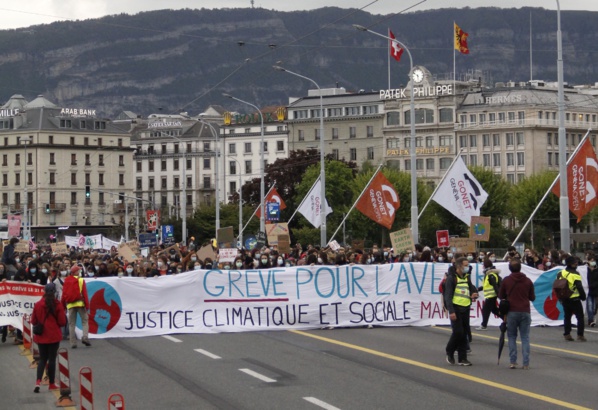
418	151
400	93
78	112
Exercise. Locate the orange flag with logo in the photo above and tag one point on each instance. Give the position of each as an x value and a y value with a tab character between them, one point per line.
379	201
272	196
461	40
582	181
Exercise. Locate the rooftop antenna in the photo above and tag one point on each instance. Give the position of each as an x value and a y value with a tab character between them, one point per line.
252	3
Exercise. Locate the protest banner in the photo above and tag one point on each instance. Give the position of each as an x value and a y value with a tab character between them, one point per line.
16	299
402	241
442	238
462	245
479	229
227	254
59	247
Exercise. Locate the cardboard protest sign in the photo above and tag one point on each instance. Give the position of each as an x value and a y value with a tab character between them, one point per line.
462	245
284	244
206	252
274	230
22	246
402	240
225	237
479	229
442	238
59	247
125	251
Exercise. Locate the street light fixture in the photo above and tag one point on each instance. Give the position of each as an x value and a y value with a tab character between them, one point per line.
240	205
215	135
262	186
183	202
323	209
414	211
27	228
564	192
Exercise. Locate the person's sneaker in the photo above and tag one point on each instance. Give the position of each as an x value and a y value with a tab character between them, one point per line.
450	359
18	342
581	339
525	367
464	362
481	328
593	324
86	342
568	338
469	351
513	366
37	384
52	386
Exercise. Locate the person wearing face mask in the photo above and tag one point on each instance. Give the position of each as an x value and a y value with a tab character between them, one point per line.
34	275
9	258
129	270
592	290
3	278
120	272
490	287
162	265
238	263
264	262
58	281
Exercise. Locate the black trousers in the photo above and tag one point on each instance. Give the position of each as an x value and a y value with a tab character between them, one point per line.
47	354
573	307
490	306
458	341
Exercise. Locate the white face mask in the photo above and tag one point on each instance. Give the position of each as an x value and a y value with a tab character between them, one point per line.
120	274
193	258
239	264
90	274
492	259
319	260
548	263
469	258
129	270
62	273
449	255
17	260
280	262
592	263
44	270
197	267
160	264
440	259
406	259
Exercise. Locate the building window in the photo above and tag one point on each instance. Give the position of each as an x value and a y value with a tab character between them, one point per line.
422	116
206	146
280	146
176	148
510	139
549	138
550	159
315	113
121	160
99	142
265	146
138	184
207	163
52	178
419	142
151	183
370	109
496	160
429	141
232	166
473	160
188	163
510	159
232	187
17	159
65	123
232	148
175	182
335	112
163	165
87	178
446	114
189	184
248	147
370	131
352	132
464	159
175	164
473	141
163	183
317	134
511	178
511	117
301	135
164	149
482	119
496	140
335	133
486	159
521	117
335	154
73	198
50	139
353	154
430	164
407	142
150	165
501	117
248	167
5	160
52	159
351	110
73	178
370	153
139	166
101	160
100	125
73	159
446	140
419	164
30	155
407	164
445	163
462	141
393	118
4	180
100	179
87	160
521	159
206	182
520	139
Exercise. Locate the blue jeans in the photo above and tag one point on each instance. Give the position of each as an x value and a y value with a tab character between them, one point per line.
590	308
519	321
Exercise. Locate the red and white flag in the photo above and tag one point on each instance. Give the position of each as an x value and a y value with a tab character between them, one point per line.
582	181
395	50
379	201
273	196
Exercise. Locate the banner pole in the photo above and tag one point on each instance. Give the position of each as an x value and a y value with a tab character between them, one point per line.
355	203
550	189
440	183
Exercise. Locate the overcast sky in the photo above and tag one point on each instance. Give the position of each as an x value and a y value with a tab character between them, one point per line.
16	14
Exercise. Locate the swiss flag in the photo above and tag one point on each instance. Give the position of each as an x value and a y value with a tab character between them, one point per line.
379	201
395	50
582	181
272	196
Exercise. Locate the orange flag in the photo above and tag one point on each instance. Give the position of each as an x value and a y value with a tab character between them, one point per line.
272	196
461	40
379	201
582	181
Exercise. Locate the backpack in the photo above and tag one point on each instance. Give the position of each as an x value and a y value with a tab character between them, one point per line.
560	287
71	291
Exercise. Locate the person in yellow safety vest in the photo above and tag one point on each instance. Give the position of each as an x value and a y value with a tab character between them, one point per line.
458	295
490	288
75	299
573	305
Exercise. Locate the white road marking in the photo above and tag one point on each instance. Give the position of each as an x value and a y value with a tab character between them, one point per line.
172	339
258	376
591	331
320	403
206	353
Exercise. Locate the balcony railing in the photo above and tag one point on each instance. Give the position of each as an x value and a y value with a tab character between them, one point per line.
528	122
119	208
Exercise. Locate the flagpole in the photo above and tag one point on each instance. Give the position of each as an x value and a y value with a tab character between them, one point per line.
551	186
304	198
355	203
440	183
454	62
388	55
258	207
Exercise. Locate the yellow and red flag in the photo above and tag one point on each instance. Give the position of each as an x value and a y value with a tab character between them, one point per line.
461	40
272	196
379	201
582	181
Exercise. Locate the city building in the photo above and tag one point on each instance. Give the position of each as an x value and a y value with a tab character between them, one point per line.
63	168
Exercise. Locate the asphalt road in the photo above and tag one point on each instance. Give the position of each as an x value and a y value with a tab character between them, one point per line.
358	368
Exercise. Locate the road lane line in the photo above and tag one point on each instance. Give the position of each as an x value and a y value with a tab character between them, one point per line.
172	339
320	403
258	376
206	353
555	349
471	378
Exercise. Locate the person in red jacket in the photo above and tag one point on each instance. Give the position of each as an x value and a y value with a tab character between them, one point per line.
49	312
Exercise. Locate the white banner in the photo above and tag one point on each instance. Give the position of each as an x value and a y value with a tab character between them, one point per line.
71	241
16	299
460	193
311	207
305	297
107	244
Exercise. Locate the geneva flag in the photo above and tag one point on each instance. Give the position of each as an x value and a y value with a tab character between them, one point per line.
379	201
582	181
460	193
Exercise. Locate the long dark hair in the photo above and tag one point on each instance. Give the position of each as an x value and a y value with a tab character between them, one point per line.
50	299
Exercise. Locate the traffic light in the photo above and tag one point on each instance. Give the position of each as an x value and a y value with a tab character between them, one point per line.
47	208
87	192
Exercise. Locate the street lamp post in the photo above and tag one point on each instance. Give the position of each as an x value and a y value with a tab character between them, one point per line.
27	228
564	193
323	209
262	186
183	202
240	205
414	211
215	135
